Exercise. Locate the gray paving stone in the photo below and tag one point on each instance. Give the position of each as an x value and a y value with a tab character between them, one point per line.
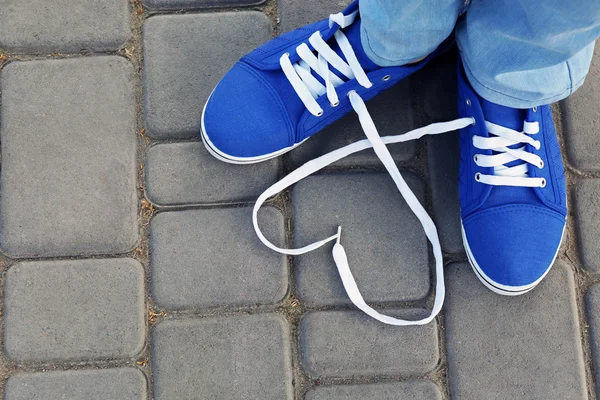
242	357
386	246
525	347
183	4
411	390
119	383
212	257
63	25
350	343
74	310
297	13
184	59
185	173
587	214
593	312
581	121
443	155
392	114
68	157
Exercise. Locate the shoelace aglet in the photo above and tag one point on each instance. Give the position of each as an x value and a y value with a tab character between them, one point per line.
339	234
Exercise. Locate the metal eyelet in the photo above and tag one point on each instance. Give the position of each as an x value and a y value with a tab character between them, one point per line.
541	165
469	102
534	109
286	53
474	121
478	177
319	113
386	78
543	182
337	103
475	158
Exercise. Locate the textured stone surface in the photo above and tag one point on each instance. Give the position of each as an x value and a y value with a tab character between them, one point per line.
411	390
348	343
593	314
524	347
185	173
386	246
68	157
185	57
587	215
581	121
212	257
74	310
244	357
392	113
183	4
63	25
297	13
119	383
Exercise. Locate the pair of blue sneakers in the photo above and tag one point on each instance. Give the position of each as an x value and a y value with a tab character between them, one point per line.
511	184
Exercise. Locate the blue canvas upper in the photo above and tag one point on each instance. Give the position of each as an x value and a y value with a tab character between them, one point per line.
254	110
513	233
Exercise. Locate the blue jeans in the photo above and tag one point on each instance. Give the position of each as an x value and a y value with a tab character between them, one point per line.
517	53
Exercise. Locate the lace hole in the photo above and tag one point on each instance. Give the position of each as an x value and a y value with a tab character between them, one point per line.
474	121
534	109
469	102
337	103
319	113
386	78
478	177
286	54
543	182
475	158
541	164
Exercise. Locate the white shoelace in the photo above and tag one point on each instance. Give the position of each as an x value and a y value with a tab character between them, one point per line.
309	88
306	85
499	144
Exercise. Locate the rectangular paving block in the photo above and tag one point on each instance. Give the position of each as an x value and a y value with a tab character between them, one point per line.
593	312
385	243
74	310
350	343
296	13
410	390
212	257
523	347
103	384
241	357
185	173
184	59
443	155
39	26
185	4
581	121
68	157
392	113
587	214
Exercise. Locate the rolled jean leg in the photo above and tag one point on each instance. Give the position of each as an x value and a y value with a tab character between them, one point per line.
523	53
397	32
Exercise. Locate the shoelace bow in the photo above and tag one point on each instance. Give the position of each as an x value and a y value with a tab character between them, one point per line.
309	88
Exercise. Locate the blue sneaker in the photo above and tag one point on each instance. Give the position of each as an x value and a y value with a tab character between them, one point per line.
292	87
512	192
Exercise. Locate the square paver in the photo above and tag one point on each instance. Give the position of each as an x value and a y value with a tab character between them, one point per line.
350	343
118	383
593	313
385	243
184	59
68	26
411	390
74	310
296	13
68	174
185	173
524	347
581	121
587	214
243	357
186	4
212	257
392	113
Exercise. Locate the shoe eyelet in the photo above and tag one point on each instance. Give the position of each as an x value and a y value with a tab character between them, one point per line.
386	78
534	109
287	53
337	103
348	94
475	158
319	113
474	121
541	164
543	182
469	102
478	177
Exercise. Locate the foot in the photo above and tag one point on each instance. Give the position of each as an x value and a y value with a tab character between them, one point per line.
291	88
512	192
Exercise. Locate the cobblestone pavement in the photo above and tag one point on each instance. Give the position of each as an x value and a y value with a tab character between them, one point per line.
130	269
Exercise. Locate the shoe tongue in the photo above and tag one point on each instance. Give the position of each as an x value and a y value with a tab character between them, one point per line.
504	116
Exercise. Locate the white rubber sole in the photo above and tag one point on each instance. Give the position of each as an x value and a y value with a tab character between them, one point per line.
212	149
495	286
